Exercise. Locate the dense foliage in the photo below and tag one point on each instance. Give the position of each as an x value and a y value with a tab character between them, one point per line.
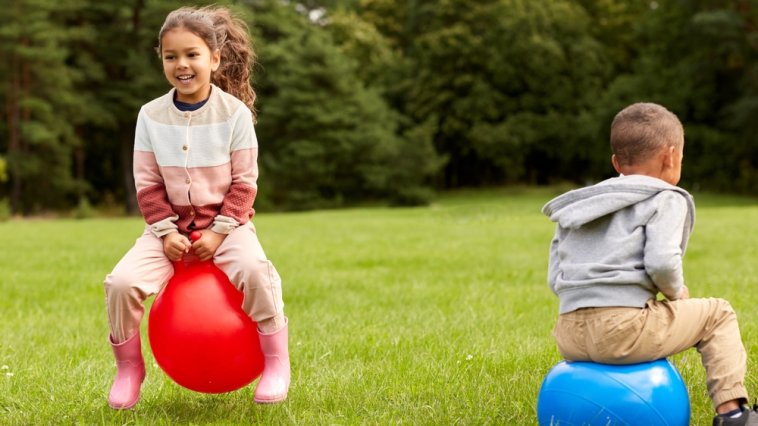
386	100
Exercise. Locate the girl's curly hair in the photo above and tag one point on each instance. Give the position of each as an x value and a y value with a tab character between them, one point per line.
221	30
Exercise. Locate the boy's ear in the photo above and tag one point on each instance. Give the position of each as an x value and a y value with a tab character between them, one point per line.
615	163
668	156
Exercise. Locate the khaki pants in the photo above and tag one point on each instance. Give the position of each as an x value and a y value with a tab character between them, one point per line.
663	328
145	269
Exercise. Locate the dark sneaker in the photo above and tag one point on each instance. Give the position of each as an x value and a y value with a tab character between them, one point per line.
748	418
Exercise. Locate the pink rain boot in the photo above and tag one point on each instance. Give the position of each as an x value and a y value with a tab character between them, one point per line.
131	372
275	380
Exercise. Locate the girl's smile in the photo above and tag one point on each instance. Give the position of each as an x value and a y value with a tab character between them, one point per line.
188	64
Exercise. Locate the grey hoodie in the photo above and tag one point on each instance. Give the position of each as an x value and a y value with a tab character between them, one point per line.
619	242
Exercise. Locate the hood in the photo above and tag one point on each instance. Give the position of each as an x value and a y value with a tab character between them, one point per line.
580	206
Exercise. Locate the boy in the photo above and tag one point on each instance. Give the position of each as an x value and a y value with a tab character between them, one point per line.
620	242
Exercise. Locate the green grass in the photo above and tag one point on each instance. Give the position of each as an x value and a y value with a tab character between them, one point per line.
436	315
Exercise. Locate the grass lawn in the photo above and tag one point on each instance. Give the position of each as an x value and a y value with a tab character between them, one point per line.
435	315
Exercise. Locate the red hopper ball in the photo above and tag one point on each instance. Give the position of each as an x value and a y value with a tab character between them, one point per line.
199	334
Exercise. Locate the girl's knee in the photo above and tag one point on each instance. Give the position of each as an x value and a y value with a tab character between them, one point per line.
119	283
261	273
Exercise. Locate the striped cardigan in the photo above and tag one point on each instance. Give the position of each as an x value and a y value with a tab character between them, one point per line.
195	169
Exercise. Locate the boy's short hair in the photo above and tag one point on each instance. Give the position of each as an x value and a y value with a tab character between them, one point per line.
642	129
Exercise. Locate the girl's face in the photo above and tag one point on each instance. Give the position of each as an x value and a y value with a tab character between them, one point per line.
188	63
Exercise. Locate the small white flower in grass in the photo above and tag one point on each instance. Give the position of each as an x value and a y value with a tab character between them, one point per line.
469	357
5	367
8	374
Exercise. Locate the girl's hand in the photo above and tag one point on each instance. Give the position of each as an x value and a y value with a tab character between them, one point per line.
175	245
205	247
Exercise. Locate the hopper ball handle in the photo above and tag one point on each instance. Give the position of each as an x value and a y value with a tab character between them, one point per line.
180	265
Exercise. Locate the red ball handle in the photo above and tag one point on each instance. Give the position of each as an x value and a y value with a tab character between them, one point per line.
195	235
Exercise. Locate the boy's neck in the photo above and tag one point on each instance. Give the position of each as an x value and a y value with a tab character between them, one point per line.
640	170
661	166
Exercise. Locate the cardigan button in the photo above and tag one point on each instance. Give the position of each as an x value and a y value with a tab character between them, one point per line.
187	181
185	147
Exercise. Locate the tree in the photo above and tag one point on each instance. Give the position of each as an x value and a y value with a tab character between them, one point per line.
698	59
325	137
506	83
40	103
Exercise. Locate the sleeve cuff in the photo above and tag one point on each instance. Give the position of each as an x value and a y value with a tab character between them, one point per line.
165	226
224	225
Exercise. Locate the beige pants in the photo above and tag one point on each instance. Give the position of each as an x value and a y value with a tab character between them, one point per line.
145	269
661	329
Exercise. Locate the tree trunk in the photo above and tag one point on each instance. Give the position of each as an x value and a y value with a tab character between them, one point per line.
80	157
14	142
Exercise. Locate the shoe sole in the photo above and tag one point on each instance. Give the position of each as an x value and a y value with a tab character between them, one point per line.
123	407
270	401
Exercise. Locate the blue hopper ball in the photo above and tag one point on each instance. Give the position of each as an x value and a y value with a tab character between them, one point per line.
586	393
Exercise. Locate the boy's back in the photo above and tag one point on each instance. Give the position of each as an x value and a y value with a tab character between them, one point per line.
619	242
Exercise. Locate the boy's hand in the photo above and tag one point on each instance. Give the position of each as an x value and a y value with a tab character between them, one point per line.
206	246
175	245
684	293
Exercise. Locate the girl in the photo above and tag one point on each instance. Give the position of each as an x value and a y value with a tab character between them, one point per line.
195	168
